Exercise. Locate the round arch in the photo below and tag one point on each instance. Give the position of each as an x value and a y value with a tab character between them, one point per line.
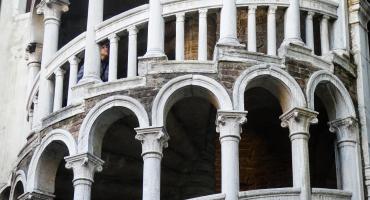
287	91
19	177
57	135
5	192
221	99
86	138
338	95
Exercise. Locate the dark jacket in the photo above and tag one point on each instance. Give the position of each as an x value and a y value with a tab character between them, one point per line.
104	71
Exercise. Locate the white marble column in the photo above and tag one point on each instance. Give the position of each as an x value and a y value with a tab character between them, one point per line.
228	25
324	35
229	126
52	12
58	92
153	141
341	31
293	23
156	30
92	51
350	162
34	51
309	31
252	29
180	36
84	167
113	57
202	35
36	119
132	52
271	31
299	120
73	71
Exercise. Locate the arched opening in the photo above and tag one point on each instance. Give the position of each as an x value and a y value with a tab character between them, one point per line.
114	140
322	151
18	190
51	175
265	149
5	194
191	165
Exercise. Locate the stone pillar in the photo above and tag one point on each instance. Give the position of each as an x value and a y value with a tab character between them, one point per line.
34	63
132	52
73	71
84	167
113	57
156	30
228	26
92	50
153	141
252	38
58	92
271	31
36	196
293	23
52	11
309	31
36	118
324	35
229	126
180	36
202	35
341	31
299	120
350	163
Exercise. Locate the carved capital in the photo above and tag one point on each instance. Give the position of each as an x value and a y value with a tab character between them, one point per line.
132	30
153	140
252	9
346	129
272	9
36	196
113	38
74	60
60	72
203	12
229	123
84	166
52	9
298	120
180	17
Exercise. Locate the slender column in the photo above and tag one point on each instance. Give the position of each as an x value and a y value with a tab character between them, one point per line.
155	30
92	54
132	52
84	167
293	23
252	39
324	31
113	57
73	71
228	26
36	119
347	144
341	31
34	63
52	11
153	141
229	126
180	36
58	92
36	196
298	120
309	31
202	35
271	31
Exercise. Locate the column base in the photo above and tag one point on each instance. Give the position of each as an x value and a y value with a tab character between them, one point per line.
229	41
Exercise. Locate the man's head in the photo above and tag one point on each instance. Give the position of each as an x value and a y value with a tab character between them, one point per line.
104	51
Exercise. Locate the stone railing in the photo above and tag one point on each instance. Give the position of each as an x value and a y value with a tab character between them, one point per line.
130	23
271	194
210	197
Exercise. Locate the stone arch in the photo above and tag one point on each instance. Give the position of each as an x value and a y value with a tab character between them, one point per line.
86	140
220	97
338	100
280	84
19	177
58	135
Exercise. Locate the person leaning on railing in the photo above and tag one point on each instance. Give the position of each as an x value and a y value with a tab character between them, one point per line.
104	63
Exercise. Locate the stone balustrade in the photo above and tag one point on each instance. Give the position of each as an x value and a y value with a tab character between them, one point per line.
128	25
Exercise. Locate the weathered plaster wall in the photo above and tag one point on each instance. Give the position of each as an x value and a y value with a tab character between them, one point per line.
13	76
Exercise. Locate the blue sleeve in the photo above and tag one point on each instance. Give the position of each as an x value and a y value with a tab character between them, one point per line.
80	73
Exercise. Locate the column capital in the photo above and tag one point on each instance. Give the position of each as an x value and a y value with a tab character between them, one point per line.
84	166
252	9
153	140
74	60
180	17
52	9
132	30
203	12
228	123
325	17
298	120
59	72
272	9
113	38
310	14
346	129
36	196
